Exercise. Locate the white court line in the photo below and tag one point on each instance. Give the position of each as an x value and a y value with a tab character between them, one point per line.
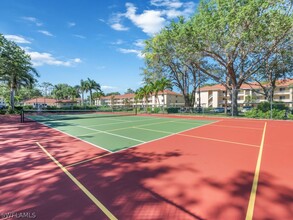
74	136
120	122
105	132
165	137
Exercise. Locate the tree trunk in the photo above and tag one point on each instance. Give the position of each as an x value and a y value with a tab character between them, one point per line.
91	97
199	98
12	91
234	104
187	100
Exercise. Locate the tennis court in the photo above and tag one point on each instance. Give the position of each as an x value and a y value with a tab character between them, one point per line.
106	166
119	132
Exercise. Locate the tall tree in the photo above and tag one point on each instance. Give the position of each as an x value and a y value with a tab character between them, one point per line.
83	88
235	38
164	84
92	85
47	87
165	56
129	91
63	91
16	69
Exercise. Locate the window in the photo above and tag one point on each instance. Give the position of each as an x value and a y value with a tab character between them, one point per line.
282	97
282	89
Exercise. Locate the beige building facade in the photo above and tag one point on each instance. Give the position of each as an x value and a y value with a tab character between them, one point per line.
167	99
215	96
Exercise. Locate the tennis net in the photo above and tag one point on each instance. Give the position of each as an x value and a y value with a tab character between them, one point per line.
56	115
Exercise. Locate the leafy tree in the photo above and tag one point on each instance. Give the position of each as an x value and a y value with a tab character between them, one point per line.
63	91
129	91
112	93
47	87
166	57
235	38
15	68
27	93
277	66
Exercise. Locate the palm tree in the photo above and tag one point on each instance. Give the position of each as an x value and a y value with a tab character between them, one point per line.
92	85
83	88
58	91
164	84
138	95
16	68
155	87
144	92
98	95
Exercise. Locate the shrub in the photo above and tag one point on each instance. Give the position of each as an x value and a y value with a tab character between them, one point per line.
156	110
172	110
28	107
264	106
256	113
9	111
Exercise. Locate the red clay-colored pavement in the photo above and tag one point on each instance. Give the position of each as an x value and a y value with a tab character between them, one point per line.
204	173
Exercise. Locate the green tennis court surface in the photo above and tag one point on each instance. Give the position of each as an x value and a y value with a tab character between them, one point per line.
119	132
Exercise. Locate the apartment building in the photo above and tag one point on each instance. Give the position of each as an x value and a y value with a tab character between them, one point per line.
44	102
215	96
167	99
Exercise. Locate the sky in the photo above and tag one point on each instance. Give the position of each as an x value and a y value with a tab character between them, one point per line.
70	40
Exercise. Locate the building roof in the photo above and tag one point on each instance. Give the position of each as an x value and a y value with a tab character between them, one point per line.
286	82
131	95
40	100
44	100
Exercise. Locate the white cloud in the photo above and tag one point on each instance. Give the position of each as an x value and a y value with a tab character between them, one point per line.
119	27
17	39
150	21
139	43
153	20
77	60
71	24
33	20
137	52
47	33
41	59
102	20
79	36
167	3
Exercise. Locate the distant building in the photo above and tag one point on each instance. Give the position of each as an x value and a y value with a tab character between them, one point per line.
43	102
167	98
215	96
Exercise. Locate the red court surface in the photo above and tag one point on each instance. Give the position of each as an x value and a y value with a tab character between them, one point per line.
203	173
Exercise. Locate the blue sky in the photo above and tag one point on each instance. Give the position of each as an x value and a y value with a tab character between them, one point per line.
70	40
